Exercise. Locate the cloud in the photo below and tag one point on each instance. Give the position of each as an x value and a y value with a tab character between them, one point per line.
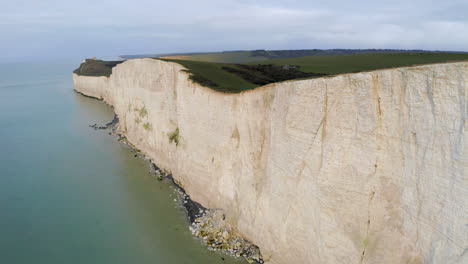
60	28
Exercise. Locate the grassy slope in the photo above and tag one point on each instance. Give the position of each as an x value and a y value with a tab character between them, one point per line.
226	82
337	64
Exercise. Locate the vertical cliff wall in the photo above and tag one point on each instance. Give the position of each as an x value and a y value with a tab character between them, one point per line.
358	168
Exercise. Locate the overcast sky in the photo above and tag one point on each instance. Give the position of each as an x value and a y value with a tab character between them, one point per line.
36	29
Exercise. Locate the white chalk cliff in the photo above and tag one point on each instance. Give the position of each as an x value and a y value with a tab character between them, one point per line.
358	168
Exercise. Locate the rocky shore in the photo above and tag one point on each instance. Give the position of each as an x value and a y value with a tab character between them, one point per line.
212	228
208	225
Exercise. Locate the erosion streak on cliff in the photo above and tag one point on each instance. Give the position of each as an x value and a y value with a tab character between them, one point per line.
367	167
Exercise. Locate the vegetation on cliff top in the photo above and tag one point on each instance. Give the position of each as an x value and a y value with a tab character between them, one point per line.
338	64
234	78
247	56
93	67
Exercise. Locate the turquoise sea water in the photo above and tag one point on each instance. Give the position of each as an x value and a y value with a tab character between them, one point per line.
71	194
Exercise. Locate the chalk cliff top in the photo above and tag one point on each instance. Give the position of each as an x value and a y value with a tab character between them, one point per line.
234	78
94	67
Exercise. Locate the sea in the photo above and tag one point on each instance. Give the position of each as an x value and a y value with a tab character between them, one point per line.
70	194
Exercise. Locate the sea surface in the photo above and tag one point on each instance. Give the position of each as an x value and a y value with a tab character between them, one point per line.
71	194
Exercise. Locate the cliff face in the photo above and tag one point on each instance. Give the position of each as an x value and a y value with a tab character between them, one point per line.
357	168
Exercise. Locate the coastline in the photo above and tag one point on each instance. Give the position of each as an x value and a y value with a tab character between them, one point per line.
206	224
274	158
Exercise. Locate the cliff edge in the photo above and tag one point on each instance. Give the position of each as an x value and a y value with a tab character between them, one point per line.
357	168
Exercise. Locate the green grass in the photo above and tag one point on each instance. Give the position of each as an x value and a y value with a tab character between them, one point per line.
337	64
92	67
212	75
259	55
226	57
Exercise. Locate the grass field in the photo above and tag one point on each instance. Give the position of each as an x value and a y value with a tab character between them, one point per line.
337	64
212	75
226	57
259	55
215	76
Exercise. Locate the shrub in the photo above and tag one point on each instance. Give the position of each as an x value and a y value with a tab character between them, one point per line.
143	112
174	137
147	126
